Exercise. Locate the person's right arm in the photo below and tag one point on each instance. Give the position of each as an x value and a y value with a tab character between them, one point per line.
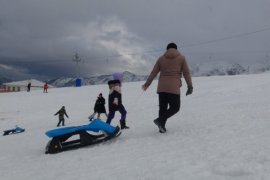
152	76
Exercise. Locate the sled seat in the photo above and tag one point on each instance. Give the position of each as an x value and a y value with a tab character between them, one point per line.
62	141
95	126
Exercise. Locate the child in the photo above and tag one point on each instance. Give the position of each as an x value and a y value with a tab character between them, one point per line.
100	106
115	103
61	113
28	87
45	88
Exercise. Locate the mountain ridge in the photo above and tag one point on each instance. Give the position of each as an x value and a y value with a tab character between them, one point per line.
197	70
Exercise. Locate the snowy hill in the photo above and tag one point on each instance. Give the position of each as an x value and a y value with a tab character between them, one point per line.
197	70
95	80
213	68
218	68
221	133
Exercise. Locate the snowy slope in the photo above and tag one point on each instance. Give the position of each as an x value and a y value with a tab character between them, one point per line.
222	132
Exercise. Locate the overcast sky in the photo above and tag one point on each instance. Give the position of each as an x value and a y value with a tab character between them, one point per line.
38	38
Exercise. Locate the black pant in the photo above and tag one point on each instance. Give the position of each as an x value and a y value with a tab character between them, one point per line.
61	120
122	111
165	100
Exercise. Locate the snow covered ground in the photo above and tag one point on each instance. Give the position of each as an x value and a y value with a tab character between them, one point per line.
222	132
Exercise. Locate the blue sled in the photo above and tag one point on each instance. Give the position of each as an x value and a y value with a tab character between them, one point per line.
87	136
13	131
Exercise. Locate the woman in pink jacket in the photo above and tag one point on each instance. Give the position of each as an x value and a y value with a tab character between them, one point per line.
171	66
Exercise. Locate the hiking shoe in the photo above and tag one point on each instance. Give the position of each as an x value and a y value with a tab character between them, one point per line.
157	122
123	124
124	127
161	128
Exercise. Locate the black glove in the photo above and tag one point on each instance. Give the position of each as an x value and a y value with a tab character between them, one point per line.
189	91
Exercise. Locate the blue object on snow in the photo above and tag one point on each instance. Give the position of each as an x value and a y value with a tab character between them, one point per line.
95	126
78	82
18	129
61	140
13	131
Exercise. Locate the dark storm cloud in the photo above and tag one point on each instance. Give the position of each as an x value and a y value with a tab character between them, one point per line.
40	37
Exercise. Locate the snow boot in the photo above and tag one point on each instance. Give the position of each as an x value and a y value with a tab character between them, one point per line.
123	124
161	128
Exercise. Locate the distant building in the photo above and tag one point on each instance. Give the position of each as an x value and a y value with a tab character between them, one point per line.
3	88
22	85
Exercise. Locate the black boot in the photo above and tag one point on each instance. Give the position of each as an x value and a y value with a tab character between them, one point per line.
160	126
123	124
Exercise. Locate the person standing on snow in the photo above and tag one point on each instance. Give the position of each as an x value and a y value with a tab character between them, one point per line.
171	65
28	87
100	106
115	103
45	87
61	114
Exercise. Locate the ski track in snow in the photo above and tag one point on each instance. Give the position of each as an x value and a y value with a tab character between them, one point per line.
221	132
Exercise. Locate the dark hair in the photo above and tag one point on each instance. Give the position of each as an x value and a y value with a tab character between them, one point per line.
171	45
113	82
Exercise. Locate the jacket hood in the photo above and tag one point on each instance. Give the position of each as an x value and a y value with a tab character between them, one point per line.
171	53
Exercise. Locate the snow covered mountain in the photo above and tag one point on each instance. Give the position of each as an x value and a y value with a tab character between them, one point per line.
94	80
197	70
226	68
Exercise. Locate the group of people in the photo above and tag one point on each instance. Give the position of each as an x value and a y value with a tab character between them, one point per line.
172	65
115	103
45	87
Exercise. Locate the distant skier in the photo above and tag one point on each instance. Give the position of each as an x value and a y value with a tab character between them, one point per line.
61	114
45	87
171	66
100	106
115	103
28	87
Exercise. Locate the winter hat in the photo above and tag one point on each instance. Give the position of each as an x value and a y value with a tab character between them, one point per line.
117	76
171	45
